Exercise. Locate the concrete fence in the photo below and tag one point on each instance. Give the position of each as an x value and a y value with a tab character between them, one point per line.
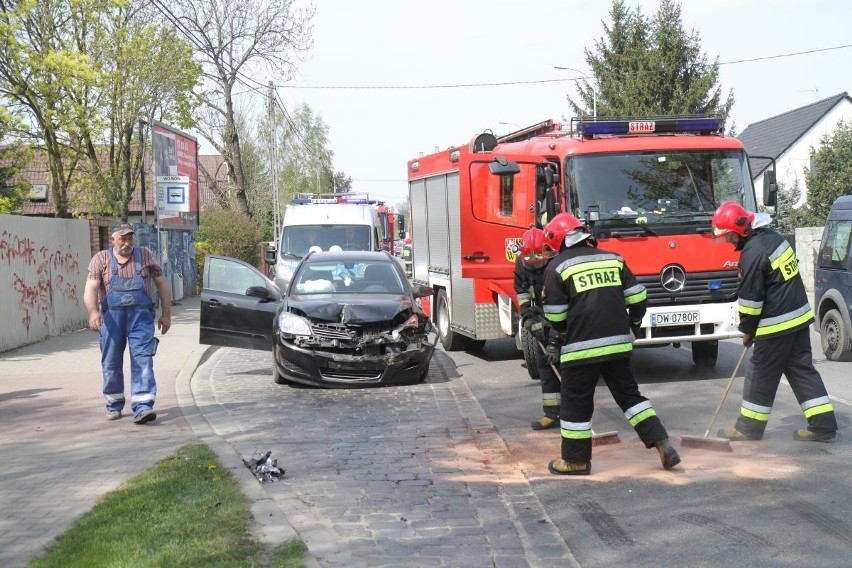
807	247
42	276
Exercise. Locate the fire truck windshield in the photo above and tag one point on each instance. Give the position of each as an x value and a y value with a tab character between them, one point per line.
658	188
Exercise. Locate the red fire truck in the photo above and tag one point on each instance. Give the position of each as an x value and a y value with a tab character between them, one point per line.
645	188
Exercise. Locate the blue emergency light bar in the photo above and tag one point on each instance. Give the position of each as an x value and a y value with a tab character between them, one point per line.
341	198
654	125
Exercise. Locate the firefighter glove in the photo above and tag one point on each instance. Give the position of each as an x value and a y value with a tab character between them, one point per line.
636	330
539	329
553	353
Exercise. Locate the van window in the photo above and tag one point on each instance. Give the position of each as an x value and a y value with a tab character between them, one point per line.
834	249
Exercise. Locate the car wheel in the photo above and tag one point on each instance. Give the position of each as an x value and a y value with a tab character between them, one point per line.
451	340
276	376
835	337
531	350
705	353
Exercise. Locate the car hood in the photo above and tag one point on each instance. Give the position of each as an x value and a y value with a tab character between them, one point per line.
377	308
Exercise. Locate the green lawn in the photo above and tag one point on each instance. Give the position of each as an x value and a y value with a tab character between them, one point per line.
185	511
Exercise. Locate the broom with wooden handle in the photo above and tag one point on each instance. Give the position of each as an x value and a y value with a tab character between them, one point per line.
602	439
718	444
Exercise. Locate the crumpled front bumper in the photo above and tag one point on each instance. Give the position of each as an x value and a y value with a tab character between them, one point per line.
335	370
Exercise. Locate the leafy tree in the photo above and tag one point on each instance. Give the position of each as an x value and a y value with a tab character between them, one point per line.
650	66
82	73
832	173
145	72
13	158
787	215
226	232
341	183
305	159
231	38
44	77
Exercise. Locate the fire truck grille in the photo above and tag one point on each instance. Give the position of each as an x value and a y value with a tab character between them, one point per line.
696	289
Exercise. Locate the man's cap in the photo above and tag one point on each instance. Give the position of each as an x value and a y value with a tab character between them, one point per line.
123	229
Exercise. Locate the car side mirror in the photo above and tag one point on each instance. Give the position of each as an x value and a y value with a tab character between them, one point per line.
424	291
269	255
258	292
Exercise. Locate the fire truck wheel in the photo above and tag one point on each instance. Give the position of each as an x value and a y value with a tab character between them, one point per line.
451	340
532	351
704	353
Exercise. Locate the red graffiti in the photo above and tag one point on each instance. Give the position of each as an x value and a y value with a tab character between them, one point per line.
55	277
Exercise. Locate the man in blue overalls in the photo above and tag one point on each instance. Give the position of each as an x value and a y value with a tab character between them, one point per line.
119	301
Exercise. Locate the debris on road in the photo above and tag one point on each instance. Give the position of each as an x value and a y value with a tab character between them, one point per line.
264	468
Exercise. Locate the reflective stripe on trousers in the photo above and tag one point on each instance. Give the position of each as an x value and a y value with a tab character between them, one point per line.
789	354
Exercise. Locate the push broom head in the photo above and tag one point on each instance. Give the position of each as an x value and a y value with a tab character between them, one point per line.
605	438
715	444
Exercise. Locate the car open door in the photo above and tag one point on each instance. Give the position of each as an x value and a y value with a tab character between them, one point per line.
238	304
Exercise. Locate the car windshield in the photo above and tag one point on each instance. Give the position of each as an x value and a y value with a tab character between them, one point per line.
298	240
364	277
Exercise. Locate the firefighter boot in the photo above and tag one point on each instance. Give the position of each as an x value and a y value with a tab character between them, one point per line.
668	455
807	435
562	467
735	435
545	423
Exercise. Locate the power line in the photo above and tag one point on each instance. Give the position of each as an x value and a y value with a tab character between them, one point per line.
532	82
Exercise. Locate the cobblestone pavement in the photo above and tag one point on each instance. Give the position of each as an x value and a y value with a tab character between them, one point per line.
403	476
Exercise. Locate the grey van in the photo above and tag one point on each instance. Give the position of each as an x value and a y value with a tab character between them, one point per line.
833	282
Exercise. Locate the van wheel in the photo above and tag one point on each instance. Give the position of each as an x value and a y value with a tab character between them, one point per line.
451	340
705	353
529	345
835	337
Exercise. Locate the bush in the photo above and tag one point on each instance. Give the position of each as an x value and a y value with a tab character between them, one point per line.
228	233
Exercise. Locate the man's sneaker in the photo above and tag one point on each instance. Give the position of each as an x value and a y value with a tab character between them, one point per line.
113	415
562	467
735	435
668	455
144	417
806	435
544	423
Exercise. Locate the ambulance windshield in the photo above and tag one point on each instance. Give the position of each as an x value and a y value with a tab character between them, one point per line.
658	187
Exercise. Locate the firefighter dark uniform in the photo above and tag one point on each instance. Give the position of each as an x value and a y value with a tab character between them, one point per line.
774	311
587	295
529	282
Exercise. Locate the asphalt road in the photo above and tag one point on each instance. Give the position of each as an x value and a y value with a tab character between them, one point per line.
774	502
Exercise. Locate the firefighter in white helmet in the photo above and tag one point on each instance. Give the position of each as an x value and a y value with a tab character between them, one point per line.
529	280
774	315
593	302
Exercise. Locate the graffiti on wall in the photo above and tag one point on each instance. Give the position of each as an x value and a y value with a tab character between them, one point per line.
37	293
177	258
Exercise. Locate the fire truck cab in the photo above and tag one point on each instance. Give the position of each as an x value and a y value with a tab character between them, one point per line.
645	188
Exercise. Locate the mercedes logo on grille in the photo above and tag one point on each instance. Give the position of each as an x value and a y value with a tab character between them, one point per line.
673	278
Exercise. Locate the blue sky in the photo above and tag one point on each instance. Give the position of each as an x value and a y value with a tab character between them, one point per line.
386	47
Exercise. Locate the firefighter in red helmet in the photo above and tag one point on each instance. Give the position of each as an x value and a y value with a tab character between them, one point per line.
529	279
774	316
593	302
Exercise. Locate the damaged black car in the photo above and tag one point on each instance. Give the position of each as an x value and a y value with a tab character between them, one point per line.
347	319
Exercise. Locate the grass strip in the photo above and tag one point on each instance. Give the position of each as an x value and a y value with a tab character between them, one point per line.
185	511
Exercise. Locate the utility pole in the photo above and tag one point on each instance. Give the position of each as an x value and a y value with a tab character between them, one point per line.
273	165
142	168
